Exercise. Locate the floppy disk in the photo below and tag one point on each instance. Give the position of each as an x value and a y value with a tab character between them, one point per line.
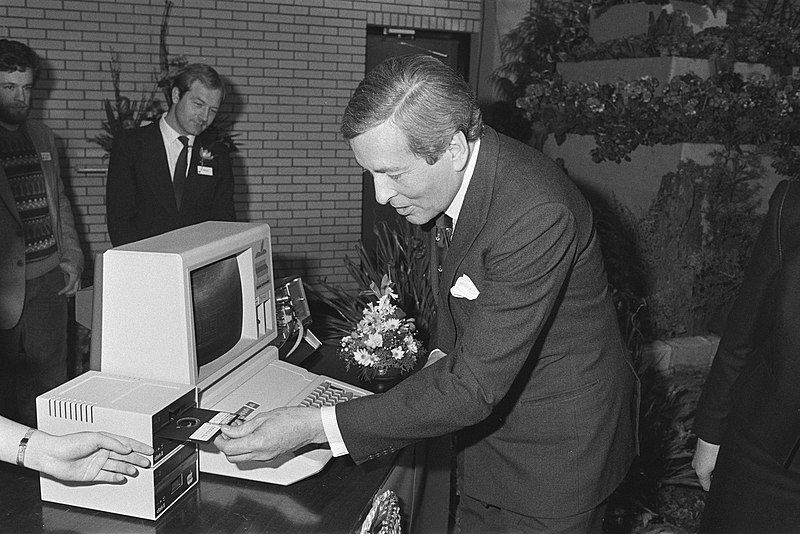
196	424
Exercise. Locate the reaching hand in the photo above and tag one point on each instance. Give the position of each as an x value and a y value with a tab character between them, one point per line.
86	456
270	434
705	458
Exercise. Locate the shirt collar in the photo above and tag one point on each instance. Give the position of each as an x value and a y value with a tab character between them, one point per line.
454	209
169	134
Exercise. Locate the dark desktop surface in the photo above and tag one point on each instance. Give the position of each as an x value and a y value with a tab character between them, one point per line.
333	501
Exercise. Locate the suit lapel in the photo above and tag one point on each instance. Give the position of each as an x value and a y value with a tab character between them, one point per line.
158	175
475	210
471	220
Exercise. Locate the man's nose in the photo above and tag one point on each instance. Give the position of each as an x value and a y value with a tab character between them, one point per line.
382	190
20	93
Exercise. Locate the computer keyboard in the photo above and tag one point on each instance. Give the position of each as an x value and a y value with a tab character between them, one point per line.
276	385
328	394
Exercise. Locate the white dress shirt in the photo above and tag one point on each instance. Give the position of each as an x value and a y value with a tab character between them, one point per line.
173	145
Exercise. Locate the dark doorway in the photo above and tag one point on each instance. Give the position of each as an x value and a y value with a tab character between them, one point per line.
382	43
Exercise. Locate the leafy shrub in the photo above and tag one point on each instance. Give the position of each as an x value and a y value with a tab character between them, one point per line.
776	45
401	253
724	109
676	268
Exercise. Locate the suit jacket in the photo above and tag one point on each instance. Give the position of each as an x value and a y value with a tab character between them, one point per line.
12	240
536	371
140	200
753	379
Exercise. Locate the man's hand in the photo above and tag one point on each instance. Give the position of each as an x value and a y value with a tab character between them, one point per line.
86	456
705	458
73	279
270	434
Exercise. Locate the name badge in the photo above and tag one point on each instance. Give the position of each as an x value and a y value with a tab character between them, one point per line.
207	171
46	156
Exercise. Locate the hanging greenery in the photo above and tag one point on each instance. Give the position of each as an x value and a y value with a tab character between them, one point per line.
122	113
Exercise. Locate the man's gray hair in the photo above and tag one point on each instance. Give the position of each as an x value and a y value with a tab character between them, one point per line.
423	97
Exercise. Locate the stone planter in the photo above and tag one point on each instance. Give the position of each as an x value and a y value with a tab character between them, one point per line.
625	20
680	352
663	68
612	70
635	183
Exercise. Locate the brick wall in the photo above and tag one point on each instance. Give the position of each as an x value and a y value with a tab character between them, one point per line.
291	66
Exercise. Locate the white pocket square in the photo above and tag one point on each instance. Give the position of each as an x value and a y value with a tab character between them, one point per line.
464	288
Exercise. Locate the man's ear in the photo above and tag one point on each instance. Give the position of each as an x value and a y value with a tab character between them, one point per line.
459	151
176	95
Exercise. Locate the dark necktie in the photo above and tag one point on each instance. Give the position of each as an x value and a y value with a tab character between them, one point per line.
442	233
179	178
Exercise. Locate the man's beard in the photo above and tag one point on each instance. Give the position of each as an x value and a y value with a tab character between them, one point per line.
14	114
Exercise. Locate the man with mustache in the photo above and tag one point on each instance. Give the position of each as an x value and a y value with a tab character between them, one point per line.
168	174
40	256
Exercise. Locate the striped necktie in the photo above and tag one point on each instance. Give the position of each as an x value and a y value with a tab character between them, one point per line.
442	233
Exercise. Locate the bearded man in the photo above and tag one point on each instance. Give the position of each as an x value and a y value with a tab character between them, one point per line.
40	256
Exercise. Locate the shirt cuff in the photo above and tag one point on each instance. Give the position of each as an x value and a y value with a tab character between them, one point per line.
332	433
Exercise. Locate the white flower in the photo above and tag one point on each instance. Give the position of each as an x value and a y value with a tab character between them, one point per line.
391	324
374	341
381	339
205	156
362	357
385	305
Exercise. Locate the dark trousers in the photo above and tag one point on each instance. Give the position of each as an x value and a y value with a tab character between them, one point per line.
477	517
751	493
33	354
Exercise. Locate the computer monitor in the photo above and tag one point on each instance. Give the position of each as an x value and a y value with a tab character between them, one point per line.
189	306
197	306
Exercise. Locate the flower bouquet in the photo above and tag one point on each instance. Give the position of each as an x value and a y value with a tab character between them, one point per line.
383	342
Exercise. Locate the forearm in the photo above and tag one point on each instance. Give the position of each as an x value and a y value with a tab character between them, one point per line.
69	243
33	453
11	433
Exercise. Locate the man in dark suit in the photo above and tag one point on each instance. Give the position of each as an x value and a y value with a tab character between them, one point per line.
145	196
748	415
531	369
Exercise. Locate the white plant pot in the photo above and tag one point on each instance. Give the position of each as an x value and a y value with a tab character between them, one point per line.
625	20
635	183
662	68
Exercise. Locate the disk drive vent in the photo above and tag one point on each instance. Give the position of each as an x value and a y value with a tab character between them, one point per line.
71	409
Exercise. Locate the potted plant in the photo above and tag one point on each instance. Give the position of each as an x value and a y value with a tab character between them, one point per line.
765	48
122	113
383	345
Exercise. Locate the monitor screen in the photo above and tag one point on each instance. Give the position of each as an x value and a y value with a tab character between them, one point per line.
216	309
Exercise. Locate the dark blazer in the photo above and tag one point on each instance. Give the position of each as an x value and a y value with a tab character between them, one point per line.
140	200
756	370
536	370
